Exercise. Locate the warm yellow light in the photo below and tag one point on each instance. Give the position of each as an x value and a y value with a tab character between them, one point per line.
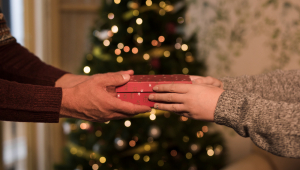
182	118
189	155
146	56
86	69
119	59
161	38
117	51
84	126
154	42
169	8
102	159
127	123
162	12
184	47
194	147
167	53
126	49
146	158
173	153
107	122
200	134
177	46
135	12
153	111
180	20
106	43
147	147
117	1
135	50
136	157
210	152
139	21
132	143
185	139
139	40
185	70
152	117
95	167
98	133
73	151
189	58
120	45
110	16
205	129
160	163
162	4
148	2
114	29
129	30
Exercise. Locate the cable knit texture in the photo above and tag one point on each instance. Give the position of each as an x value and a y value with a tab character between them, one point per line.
27	91
265	108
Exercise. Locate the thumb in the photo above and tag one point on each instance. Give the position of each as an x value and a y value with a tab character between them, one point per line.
117	79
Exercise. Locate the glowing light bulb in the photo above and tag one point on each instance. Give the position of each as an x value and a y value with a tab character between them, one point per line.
126	49
117	1
210	152
129	30
177	46
154	42
139	21
98	133
127	123
136	157
120	45
152	117
117	51
185	70
146	158
106	43
86	69
135	50
148	2
110	16
161	38
114	29
146	56
189	155
102	159
95	167
167	54
119	59
139	40
132	143
135	12
162	12
205	129
147	147
200	134
162	4
184	47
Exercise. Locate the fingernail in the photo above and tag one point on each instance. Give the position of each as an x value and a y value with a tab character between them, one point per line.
155	88
126	76
151	97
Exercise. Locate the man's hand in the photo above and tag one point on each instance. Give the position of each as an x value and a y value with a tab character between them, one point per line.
95	99
194	101
207	80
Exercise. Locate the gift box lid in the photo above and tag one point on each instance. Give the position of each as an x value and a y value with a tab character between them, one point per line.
145	83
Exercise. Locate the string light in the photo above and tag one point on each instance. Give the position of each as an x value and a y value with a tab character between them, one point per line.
189	58
194	147
98	133
102	159
136	157
73	150
147	147
200	134
135	12
114	29
110	16
107	122
95	167
106	43
183	118
177	46
139	21
152	117
184	47
167	53
146	56
148	2
146	158
154	42
139	40
162	4
135	50
129	30
117	1
185	70
86	69
180	20
132	143
189	155
119	59
127	123
162	12
205	129
173	153
210	152
160	163
84	126
161	38
120	45
117	51
169	8
126	49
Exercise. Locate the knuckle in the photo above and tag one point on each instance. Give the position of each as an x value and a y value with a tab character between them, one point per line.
169	98
172	88
174	108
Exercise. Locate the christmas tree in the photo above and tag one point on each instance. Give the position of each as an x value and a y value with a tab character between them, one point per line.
148	37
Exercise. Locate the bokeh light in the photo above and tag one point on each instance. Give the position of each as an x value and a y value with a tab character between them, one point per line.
146	56
119	59
86	69
114	29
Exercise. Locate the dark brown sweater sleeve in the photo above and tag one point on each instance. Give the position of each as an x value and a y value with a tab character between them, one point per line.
29	103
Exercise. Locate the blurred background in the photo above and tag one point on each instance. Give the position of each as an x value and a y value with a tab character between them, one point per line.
216	38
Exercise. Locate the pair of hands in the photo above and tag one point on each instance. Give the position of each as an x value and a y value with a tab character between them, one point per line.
197	100
93	98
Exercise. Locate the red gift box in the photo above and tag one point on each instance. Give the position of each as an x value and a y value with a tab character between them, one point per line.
139	87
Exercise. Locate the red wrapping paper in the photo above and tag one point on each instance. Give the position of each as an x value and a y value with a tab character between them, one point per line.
139	87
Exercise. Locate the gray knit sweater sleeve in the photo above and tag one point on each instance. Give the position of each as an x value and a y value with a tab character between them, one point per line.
265	108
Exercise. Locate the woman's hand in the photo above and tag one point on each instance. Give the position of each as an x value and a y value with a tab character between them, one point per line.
94	99
190	100
207	80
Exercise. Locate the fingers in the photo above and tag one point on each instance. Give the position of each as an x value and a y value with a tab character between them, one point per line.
114	79
195	77
167	97
130	108
130	72
170	107
173	88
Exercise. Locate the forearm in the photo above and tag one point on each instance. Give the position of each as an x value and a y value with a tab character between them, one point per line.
18	64
277	85
272	125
